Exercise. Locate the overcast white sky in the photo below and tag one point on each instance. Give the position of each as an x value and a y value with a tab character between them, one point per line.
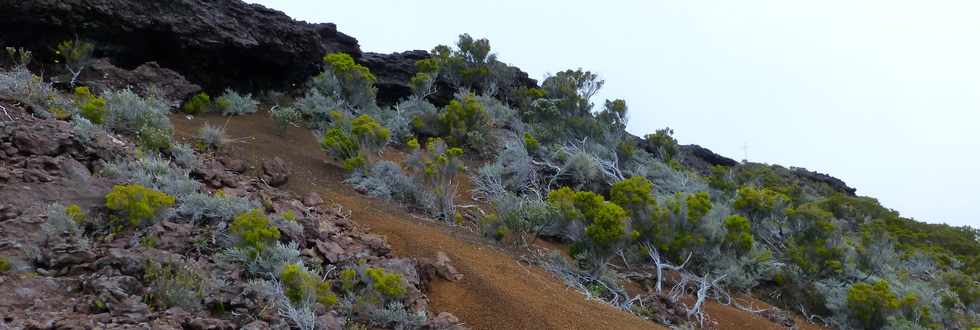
882	94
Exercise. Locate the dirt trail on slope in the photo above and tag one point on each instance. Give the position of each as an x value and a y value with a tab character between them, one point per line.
496	292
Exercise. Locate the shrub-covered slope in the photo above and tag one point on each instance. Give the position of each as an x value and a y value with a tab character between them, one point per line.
648	226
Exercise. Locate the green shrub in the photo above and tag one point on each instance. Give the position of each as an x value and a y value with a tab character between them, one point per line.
173	284
128	113
698	205
675	228
426	72
149	241
137	203
372	287
758	203
967	290
354	141
76	55
634	195
340	145
21	85
466	123
663	143
574	90
201	207
92	107
356	80
283	117
871	304
605	222
155	139
75	213
525	216
678	225
212	137
386	180
154	172
613	115
4	265
738	234
531	144
469	66
233	104
366	129
435	170
565	113
348	279
720	179
608	227
813	246
289	215
386	283
200	103
254	231
19	56
301	286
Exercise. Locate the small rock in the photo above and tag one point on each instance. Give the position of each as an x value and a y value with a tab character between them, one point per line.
256	325
275	172
234	165
229	181
445	268
312	199
441	267
444	320
330	250
377	243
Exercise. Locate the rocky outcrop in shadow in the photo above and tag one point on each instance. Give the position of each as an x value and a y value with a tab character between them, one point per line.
213	43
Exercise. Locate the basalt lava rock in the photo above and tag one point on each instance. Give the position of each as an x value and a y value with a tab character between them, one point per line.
217	44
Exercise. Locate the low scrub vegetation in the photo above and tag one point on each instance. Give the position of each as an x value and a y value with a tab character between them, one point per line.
354	141
550	164
231	103
198	104
135	204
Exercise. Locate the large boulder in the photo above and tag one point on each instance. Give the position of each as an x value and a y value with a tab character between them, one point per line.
214	43
275	172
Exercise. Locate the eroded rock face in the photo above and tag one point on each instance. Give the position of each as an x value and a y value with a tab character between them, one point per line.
214	43
701	155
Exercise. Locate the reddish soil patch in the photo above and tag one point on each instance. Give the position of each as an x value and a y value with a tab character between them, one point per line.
496	292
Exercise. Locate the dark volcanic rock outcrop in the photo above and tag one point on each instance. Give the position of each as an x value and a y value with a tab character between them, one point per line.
702	158
396	69
214	43
393	72
148	78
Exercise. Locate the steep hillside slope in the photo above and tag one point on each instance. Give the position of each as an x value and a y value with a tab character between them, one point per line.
318	186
